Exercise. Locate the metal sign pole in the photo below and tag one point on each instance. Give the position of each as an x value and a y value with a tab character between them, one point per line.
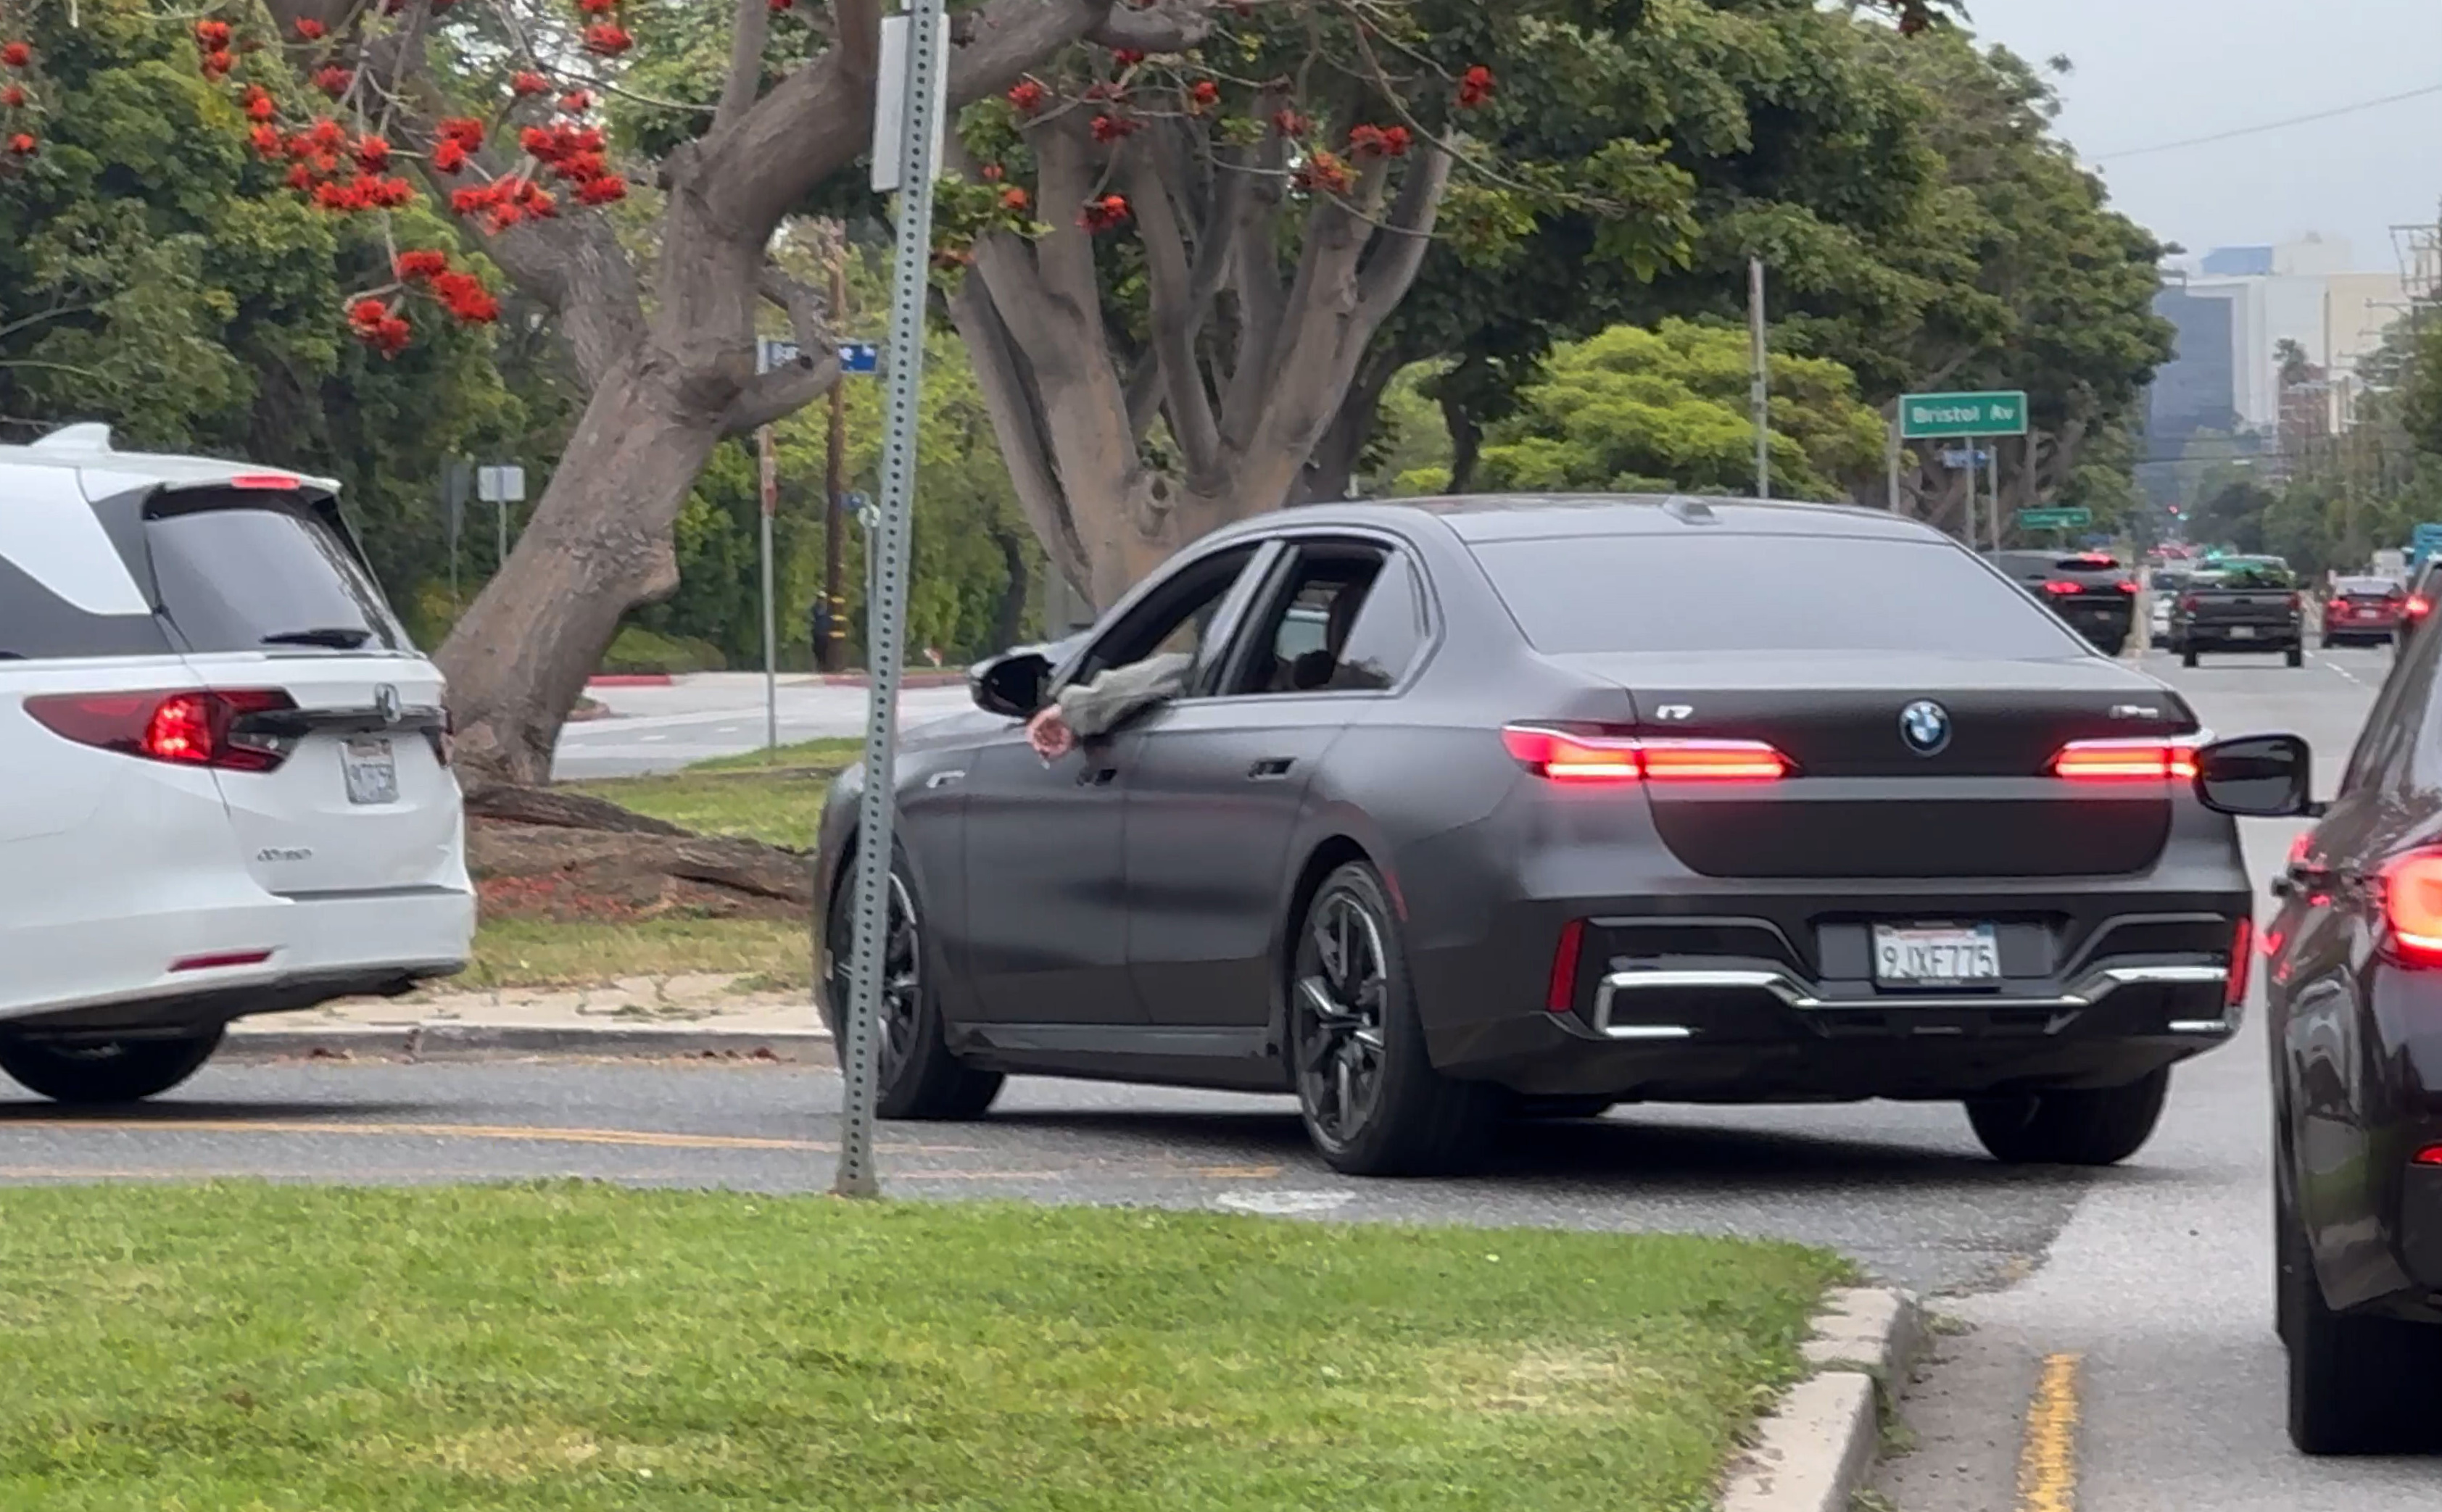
1760	390
1993	487
906	164
767	459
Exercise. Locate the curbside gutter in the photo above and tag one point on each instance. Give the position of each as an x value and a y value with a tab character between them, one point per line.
1813	1454
449	1040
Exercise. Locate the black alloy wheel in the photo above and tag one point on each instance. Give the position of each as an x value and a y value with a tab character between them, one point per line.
915	1074
1366	1086
99	1071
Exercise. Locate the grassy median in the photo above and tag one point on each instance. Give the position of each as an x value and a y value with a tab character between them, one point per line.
775	796
283	1348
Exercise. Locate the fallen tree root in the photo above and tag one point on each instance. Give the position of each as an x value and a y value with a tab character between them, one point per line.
548	850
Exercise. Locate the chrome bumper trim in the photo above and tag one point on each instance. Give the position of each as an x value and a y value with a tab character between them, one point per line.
2089	991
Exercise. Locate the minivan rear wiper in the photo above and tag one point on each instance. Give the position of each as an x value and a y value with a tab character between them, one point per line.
337	639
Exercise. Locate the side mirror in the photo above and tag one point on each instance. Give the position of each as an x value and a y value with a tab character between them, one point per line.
1010	683
2258	777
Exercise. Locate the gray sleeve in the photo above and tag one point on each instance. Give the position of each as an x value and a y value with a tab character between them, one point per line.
1096	708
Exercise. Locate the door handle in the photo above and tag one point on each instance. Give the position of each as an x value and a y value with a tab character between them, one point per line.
1096	777
1270	769
944	779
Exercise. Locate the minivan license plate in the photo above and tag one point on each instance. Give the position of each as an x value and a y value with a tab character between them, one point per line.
1936	957
372	771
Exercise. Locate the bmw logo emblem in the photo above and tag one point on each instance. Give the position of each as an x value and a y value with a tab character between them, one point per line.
1925	726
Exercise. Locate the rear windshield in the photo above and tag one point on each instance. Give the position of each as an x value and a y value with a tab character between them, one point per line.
248	574
2242	572
2368	586
1835	594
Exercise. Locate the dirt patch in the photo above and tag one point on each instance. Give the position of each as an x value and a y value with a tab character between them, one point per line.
537	853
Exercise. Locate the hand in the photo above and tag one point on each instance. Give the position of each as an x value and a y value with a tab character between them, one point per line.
1049	734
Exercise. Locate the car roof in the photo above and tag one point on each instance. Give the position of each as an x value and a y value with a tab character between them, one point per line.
1480	518
103	469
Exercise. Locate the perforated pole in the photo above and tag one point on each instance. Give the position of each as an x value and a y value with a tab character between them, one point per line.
886	609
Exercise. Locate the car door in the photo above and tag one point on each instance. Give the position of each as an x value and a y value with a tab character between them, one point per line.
1045	926
1220	782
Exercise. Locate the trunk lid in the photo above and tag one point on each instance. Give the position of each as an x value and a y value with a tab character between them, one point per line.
1865	802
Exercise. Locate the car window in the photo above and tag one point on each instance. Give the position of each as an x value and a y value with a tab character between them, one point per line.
241	573
37	623
1388	633
1296	644
1176	619
1815	592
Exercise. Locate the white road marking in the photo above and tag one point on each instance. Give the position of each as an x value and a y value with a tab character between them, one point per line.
1284	1204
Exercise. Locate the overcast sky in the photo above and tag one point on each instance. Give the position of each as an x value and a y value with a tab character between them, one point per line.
2155	71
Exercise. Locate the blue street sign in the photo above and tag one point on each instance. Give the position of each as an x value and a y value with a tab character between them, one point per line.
1955	457
860	357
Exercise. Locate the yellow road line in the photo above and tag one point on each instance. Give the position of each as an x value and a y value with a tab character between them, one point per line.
2047	1461
650	1139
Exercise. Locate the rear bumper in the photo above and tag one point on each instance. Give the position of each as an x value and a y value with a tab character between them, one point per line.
318	948
2225	637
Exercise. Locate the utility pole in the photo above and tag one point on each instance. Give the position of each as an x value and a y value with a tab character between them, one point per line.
768	464
1993	485
826	655
909	109
1759	389
1891	501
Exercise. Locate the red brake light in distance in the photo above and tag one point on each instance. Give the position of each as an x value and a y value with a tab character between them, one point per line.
2126	585
1563	995
2062	586
2417	606
194	727
2242	960
2124	761
1563	758
2412	907
2188	602
2296	601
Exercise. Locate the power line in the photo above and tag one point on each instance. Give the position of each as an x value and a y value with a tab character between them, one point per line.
2234	133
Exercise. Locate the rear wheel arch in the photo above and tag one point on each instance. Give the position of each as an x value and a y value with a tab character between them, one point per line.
1327	856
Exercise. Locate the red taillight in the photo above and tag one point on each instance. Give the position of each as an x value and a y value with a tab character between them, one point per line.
2124	761
270	482
2299	846
1563	758
2188	603
2061	586
2242	960
1561	997
2417	606
2125	586
2430	1156
2412	907
2296	601
191	728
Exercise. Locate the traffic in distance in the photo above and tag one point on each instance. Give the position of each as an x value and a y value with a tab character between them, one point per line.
1539	829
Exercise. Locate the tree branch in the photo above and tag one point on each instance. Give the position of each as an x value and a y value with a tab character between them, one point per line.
749	34
1175	318
1405	238
1011	395
1248	241
1161	26
781	392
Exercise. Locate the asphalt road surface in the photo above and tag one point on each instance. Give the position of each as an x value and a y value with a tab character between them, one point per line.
2141	1295
658	729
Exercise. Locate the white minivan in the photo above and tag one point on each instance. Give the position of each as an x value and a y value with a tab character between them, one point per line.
224	783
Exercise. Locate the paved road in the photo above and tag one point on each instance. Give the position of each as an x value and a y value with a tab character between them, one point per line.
656	729
2156	1277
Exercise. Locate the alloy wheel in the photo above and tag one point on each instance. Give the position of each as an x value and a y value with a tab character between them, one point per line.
1343	988
902	978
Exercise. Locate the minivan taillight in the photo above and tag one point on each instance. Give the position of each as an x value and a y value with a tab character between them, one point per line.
190	727
1561	756
2124	760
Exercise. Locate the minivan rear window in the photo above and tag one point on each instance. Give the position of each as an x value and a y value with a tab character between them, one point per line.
1766	593
241	573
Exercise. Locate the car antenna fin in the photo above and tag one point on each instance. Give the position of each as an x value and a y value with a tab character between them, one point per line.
1691	512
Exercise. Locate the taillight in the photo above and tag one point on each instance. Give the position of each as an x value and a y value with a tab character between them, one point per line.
2188	603
2061	586
196	727
1561	995
2296	601
267	482
2125	760
2412	907
2417	606
2242	961
2125	586
1563	758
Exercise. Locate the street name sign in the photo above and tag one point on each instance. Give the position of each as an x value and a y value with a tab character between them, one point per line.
1926	416
2055	518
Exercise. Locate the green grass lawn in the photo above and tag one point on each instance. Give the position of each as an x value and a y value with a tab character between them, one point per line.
776	800
257	1348
570	952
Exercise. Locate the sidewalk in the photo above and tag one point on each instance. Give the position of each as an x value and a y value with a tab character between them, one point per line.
700	1015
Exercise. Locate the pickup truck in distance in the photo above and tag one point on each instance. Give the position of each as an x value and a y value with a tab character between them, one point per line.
2242	603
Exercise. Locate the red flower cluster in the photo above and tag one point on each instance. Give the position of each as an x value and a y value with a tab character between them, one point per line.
337	175
504	202
212	39
1290	123
778	6
257	103
1204	94
23	144
1026	96
309	30
597	7
574	154
577	102
1324	172
1112	128
13	97
1108	213
1013	198
464	295
1379	142
458	138
1126	57
18	54
334	81
422	264
1475	87
527	81
608	38
378	327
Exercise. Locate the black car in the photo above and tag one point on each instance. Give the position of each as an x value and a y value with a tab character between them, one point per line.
2353	1016
2424	584
2092	591
2241	604
1557	828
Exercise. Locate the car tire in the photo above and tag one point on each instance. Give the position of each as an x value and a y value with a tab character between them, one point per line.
1592	1106
2188	656
1372	1101
109	1070
2295	656
916	1077
2114	645
2092	1127
2356	1385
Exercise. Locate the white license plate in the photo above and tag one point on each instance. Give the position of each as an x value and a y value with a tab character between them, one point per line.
1936	957
371	769
2242	633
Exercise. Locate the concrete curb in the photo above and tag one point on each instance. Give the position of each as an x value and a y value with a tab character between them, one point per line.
444	1040
1813	1452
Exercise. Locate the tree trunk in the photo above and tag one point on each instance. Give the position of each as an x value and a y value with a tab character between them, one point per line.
1008	627
1466	441
599	545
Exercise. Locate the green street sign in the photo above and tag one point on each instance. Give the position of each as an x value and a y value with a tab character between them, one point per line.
2055	518
1924	416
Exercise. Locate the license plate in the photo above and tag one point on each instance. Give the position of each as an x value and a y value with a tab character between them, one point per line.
2242	633
1936	956
370	770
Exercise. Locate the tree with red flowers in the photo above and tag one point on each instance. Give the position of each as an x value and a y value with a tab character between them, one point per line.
1223	232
